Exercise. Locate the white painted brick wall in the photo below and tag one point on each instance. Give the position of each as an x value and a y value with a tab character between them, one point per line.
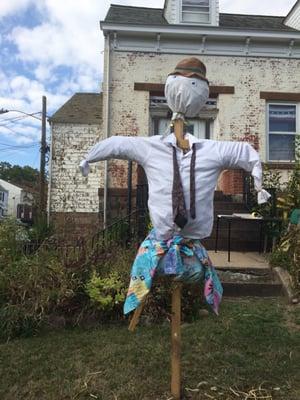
70	191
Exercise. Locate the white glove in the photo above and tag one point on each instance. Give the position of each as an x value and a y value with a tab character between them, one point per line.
84	167
262	196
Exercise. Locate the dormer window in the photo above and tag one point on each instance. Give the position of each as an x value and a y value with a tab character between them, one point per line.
196	11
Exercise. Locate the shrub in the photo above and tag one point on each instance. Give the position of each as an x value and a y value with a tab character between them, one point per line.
287	255
12	237
31	288
106	293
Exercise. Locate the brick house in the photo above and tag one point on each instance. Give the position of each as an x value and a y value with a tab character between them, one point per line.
253	65
74	205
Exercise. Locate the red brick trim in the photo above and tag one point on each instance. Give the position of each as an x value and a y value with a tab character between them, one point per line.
158	88
283	96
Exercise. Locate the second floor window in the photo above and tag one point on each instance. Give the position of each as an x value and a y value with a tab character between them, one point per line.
196	11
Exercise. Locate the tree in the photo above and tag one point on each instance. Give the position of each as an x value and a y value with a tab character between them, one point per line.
19	175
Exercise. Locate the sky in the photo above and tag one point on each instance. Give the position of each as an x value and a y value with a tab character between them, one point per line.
55	48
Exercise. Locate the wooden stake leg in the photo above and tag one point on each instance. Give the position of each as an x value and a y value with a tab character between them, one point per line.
176	342
136	316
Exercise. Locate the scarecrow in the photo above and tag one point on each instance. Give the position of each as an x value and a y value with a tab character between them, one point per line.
182	173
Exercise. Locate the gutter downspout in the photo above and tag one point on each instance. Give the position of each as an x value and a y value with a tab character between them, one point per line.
107	128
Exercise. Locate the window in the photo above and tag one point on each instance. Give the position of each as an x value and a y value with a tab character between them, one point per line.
1	196
282	130
196	127
197	11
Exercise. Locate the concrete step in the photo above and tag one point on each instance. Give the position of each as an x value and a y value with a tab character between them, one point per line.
245	282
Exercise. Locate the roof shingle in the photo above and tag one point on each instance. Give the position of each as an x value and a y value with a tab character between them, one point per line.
81	108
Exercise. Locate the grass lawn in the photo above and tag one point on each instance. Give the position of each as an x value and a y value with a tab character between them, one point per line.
253	343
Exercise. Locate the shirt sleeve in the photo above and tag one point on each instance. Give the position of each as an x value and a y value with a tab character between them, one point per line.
242	155
120	147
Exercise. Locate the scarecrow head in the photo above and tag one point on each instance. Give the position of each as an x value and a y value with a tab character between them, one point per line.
187	88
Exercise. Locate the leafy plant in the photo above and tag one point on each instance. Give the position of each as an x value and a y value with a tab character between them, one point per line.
290	198
106	293
287	253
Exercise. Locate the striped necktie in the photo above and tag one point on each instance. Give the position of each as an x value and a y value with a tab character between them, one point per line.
179	208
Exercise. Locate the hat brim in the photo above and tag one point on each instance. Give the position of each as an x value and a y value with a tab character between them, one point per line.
190	75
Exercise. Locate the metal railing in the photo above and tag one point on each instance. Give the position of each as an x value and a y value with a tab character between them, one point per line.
125	231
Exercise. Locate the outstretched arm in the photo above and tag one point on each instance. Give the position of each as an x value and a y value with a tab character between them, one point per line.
121	147
242	155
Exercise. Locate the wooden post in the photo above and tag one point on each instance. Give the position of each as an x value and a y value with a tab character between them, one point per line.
136	316
176	342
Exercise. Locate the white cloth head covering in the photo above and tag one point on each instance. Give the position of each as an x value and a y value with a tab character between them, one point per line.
186	96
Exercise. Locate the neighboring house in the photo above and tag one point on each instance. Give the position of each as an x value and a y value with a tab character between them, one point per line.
3	202
73	201
17	199
253	65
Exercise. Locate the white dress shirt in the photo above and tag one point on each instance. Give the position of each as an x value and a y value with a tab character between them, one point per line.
155	155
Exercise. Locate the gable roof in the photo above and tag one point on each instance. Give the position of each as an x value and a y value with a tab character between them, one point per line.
129	15
81	108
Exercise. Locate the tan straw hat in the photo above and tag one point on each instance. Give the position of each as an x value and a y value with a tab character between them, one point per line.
191	67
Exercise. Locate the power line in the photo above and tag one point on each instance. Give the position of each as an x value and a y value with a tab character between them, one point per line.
19	145
16	148
2	111
12	120
12	130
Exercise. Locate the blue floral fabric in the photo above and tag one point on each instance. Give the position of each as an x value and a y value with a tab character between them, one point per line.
184	259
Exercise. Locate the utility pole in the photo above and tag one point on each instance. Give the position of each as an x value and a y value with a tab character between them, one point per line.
42	205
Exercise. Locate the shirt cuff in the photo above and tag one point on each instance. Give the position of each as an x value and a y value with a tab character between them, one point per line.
84	167
262	196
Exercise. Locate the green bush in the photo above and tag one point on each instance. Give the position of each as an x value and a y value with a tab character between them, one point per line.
12	237
106	293
287	255
31	289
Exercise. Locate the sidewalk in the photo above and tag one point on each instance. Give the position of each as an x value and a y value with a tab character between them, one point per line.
238	260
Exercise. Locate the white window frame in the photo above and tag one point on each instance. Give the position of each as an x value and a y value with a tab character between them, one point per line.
281	103
197	12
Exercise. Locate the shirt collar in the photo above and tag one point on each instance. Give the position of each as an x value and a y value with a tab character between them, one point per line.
171	139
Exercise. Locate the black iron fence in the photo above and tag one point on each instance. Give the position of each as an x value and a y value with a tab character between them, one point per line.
126	231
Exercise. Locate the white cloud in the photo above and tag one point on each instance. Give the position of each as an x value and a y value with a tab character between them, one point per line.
13	6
